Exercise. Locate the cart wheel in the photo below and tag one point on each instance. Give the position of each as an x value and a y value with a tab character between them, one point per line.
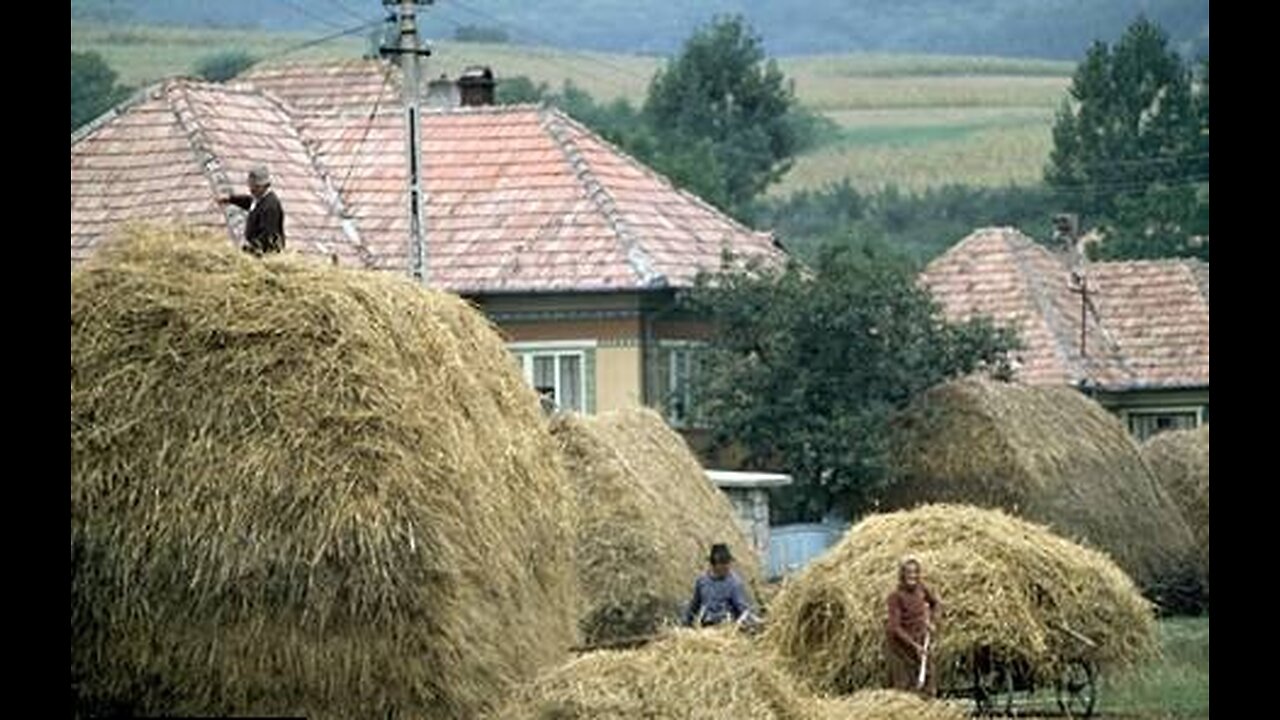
1077	689
992	690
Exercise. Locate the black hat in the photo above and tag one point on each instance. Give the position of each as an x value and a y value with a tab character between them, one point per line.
720	554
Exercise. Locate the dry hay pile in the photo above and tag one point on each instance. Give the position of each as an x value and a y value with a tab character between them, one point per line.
1004	584
647	518
693	675
1180	460
1050	455
302	490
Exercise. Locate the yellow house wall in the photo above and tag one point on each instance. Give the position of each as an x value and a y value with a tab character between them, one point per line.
617	378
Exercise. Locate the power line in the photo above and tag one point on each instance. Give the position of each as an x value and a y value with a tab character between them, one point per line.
550	58
548	41
355	156
1161	160
1126	188
347	9
299	8
321	40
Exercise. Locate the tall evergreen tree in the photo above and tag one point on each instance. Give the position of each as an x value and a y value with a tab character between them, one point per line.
1129	148
721	98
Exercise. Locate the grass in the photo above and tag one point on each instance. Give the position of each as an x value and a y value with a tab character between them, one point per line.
1175	687
916	121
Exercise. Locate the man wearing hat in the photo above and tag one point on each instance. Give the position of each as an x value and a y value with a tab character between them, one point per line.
264	228
718	593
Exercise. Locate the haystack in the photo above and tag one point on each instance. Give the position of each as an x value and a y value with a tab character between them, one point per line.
693	675
302	490
647	517
1180	460
1050	455
1005	584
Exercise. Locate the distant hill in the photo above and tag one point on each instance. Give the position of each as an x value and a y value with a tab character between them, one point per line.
1054	29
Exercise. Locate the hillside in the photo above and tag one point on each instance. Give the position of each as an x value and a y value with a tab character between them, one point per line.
1060	29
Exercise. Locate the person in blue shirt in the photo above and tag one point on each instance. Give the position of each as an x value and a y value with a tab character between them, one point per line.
718	594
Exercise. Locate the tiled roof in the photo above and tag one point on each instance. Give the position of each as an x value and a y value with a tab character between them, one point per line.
173	153
518	198
1146	323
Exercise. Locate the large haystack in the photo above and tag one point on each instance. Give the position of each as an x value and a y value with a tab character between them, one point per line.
302	490
693	675
647	516
1180	460
1050	455
1004	584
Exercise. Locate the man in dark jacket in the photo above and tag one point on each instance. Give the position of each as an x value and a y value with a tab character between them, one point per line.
264	228
718	594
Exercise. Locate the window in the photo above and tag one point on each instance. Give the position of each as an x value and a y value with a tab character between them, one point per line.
678	369
1145	423
558	372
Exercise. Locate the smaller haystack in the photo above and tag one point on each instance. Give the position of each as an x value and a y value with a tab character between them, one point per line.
1180	461
1050	455
693	675
647	516
301	490
1005	584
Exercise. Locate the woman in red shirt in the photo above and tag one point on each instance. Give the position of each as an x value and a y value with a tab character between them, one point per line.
912	608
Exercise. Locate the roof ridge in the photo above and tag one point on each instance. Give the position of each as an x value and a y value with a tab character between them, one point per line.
1117	353
1016	246
636	256
649	171
175	93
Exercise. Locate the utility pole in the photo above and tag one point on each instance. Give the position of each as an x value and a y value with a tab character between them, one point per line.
409	52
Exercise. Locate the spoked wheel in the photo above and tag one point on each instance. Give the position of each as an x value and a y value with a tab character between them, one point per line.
992	689
1077	689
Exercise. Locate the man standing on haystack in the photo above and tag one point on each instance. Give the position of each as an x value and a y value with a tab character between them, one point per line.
264	228
909	632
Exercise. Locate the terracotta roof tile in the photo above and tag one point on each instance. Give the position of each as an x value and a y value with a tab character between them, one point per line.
1146	324
517	198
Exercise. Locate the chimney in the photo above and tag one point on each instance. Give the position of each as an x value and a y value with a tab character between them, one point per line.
476	85
443	93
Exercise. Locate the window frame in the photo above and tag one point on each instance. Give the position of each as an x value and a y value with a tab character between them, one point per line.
1130	414
582	350
670	354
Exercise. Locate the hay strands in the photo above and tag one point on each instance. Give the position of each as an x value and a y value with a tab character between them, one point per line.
629	642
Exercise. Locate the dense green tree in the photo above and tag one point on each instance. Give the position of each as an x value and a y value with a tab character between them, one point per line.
804	367
720	96
93	88
1129	143
919	225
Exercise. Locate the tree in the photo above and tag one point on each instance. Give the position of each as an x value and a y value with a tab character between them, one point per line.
223	66
721	99
93	88
804	367
1128	141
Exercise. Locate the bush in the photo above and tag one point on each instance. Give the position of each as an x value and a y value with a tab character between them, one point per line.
224	65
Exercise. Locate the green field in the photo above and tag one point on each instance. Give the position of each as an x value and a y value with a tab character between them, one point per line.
1176	686
916	121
